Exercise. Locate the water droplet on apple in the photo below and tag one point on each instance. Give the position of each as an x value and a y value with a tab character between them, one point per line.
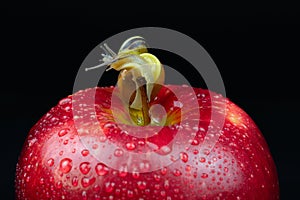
63	132
135	174
101	169
165	150
97	197
195	142
176	190
102	138
144	166
129	193
141	185
118	152
31	142
195	151
68	108
85	152
65	165
85	181
188	168
50	162
96	188
117	192
163	171
65	101
184	157
95	146
54	120
123	171
109	186
27	179
202	159
177	172
42	181
130	146
195	174
157	177
28	168
110	126
157	114
84	195
206	152
75	181
204	175
59	184
225	169
166	184
147	191
85	167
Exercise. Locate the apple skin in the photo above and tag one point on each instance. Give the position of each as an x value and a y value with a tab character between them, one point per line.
55	164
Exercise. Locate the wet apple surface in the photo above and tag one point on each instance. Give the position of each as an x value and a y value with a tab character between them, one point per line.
61	161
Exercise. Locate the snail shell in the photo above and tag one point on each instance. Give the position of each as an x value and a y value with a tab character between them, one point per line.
133	45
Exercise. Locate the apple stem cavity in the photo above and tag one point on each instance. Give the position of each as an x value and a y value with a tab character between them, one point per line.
140	78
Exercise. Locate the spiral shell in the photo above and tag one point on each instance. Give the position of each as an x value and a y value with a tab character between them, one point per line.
133	45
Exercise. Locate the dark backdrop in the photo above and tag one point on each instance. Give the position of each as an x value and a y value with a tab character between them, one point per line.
256	49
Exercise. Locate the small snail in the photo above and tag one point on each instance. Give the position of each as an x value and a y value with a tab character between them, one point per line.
141	73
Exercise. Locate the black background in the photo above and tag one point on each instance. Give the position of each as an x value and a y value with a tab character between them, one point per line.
256	48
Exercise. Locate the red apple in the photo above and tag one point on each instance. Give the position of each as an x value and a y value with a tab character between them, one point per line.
55	164
96	145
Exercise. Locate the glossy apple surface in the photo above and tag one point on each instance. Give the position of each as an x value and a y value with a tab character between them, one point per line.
55	163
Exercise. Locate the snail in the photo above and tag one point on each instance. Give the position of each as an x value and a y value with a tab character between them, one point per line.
141	74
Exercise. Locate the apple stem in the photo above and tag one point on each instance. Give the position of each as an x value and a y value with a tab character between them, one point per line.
141	117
